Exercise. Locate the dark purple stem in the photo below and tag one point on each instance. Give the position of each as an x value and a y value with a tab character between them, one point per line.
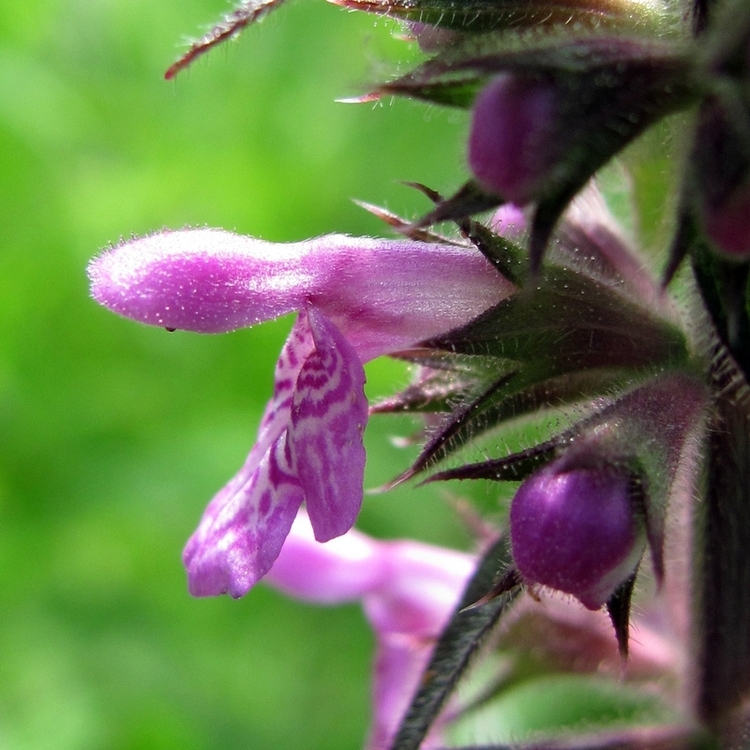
722	593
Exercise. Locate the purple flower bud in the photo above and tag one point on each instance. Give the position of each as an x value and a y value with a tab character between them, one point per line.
512	138
721	169
577	530
539	133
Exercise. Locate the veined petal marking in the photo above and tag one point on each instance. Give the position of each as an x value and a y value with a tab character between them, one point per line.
329	414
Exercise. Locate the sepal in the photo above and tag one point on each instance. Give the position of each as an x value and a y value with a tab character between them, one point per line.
554	635
597	494
618	608
245	14
572	338
506	399
442	381
480	16
569	322
589	98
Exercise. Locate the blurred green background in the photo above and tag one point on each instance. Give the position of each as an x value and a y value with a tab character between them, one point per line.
114	436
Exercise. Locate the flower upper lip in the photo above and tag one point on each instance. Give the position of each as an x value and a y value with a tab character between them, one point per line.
384	295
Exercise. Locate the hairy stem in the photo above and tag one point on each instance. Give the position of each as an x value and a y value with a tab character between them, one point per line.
722	624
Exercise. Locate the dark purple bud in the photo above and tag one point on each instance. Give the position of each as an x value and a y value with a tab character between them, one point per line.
512	144
728	225
721	164
577	530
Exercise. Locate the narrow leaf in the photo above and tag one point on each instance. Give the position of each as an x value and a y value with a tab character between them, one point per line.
458	643
569	323
246	13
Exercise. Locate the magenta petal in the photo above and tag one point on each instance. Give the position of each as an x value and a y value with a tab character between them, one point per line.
297	347
421	587
244	527
399	664
341	570
329	414
408	591
384	295
203	280
227	553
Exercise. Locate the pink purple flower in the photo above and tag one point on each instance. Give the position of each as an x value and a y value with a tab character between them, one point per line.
357	299
408	591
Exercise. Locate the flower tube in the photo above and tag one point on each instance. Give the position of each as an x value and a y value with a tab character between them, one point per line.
383	295
357	299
